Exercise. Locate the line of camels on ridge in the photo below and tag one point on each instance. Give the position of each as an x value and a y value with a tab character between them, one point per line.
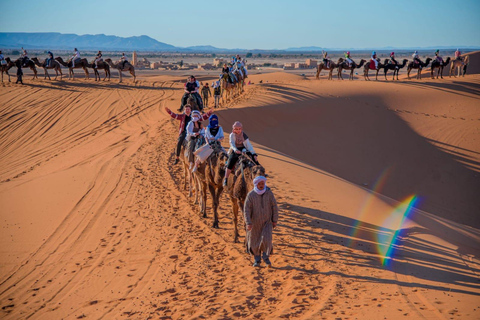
58	62
341	64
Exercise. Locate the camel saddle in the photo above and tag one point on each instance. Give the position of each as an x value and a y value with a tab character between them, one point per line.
372	65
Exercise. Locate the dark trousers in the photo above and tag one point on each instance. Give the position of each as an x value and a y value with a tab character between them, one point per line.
19	79
233	158
181	138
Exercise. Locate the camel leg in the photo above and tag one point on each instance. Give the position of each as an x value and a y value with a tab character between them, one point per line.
120	75
134	77
235	219
215	200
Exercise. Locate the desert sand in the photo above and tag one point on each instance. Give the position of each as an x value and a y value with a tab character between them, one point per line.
377	184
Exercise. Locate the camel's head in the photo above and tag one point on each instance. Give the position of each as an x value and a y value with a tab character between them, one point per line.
258	170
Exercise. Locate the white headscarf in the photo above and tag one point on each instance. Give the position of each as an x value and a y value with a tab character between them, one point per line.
196	115
255	183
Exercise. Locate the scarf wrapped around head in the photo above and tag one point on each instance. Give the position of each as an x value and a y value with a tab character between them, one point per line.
255	183
213	121
196	115
239	139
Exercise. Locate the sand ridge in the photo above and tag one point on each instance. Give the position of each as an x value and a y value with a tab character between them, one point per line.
96	224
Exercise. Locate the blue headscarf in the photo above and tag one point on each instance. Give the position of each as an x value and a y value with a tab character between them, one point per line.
213	121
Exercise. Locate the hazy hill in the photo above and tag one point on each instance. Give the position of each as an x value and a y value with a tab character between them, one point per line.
55	40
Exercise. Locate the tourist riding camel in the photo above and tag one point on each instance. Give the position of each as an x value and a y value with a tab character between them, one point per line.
24	57
458	55
393	65
213	133
191	88
348	59
373	59
124	60
419	66
50	57
76	57
343	65
326	59
184	119
195	137
416	59
53	64
392	60
239	143
122	66
98	58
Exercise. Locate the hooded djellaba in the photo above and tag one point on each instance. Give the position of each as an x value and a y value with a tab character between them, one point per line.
261	216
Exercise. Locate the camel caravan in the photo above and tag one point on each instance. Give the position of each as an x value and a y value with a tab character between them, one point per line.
73	62
208	169
458	65
232	78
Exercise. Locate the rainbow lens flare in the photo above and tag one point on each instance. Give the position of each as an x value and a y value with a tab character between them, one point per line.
387	241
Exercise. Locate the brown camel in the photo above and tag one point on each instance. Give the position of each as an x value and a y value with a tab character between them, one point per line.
321	66
344	65
395	68
239	184
30	64
100	65
5	67
83	64
210	175
121	66
240	82
458	65
371	66
419	67
439	66
227	87
53	65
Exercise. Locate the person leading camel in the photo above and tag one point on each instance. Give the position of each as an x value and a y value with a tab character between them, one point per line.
205	93
261	217
184	119
191	87
239	143
217	92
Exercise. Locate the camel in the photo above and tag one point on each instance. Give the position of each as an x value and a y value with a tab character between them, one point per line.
54	65
395	68
122	67
344	65
100	65
412	65
5	67
239	184
240	81
321	66
371	66
459	64
210	175
227	87
83	63
30	64
436	65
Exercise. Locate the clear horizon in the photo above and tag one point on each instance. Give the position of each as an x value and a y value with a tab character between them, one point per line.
267	25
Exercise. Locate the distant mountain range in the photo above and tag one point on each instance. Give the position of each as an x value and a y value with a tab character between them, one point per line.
60	41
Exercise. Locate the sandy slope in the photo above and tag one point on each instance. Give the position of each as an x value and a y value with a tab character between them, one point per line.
96	225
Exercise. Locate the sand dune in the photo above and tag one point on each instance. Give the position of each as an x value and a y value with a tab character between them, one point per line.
95	223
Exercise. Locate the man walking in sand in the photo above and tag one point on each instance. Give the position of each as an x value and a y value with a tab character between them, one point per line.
205	93
217	92
261	216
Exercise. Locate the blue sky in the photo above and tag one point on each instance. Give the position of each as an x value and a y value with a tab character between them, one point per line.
257	24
